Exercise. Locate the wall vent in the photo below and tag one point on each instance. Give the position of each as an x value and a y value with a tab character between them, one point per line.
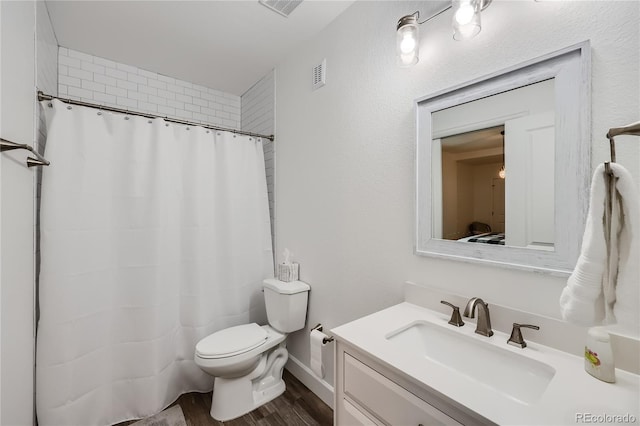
283	7
320	74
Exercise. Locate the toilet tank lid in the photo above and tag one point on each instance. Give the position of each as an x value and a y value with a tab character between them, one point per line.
282	287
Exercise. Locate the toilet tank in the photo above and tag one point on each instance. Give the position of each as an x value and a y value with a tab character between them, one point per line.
286	304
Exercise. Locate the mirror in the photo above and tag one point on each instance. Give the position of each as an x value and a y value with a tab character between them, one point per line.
474	198
503	166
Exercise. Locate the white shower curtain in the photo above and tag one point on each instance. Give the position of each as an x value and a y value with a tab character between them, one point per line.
153	235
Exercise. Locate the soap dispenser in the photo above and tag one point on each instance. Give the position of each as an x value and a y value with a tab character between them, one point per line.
598	355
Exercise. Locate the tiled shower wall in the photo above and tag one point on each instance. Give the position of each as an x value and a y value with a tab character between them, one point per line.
258	116
93	79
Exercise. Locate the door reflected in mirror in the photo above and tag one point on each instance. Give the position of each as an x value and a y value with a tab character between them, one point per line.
493	169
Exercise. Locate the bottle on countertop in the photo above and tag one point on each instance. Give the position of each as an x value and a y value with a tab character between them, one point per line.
598	355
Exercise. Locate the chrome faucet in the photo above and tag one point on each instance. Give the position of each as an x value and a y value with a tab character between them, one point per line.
483	325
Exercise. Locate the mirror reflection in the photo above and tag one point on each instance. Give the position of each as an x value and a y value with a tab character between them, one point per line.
493	169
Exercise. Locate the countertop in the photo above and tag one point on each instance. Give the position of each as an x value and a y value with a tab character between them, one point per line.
570	398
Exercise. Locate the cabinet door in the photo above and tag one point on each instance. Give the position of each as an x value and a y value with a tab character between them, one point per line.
352	416
389	402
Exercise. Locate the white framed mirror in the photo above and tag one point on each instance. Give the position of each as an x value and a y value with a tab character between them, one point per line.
503	165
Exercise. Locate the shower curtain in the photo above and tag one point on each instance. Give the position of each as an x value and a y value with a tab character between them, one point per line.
153	235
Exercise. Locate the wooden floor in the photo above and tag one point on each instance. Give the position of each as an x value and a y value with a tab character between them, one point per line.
297	406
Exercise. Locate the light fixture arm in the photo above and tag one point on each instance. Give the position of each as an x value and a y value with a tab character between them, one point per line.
484	4
433	16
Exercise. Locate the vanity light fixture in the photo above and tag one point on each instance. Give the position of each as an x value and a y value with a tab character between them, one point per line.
466	25
407	40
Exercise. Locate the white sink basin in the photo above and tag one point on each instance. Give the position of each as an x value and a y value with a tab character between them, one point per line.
513	375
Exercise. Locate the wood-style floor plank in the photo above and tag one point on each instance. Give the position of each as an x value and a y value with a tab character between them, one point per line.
297	406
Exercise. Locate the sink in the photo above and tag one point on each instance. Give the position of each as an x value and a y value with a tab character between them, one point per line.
511	374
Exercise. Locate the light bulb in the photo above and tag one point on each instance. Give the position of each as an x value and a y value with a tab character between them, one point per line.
408	43
502	173
466	19
465	13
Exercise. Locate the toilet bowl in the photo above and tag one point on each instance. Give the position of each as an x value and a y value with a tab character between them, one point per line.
247	360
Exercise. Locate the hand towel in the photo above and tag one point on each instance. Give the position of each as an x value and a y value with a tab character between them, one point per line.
626	309
584	301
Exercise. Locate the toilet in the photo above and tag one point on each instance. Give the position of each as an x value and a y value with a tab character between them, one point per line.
246	361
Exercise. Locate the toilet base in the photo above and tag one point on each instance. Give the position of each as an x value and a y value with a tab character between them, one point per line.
238	396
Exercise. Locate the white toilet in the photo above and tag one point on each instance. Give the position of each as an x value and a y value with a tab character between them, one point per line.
247	360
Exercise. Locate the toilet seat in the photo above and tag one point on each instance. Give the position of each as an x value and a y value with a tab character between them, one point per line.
231	341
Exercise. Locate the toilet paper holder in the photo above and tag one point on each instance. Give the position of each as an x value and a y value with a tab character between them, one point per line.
325	340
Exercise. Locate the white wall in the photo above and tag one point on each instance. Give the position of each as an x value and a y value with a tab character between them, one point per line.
16	190
483	176
1	67
98	80
345	170
258	116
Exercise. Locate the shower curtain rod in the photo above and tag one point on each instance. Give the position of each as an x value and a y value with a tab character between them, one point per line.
44	97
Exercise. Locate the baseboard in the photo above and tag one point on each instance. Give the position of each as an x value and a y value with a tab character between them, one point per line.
322	389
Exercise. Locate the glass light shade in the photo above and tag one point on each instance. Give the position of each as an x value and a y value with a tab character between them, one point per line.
466	19
502	173
407	41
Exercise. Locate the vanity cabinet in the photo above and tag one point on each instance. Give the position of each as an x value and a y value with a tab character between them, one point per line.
369	393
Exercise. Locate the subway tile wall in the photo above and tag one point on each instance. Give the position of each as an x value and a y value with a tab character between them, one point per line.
257	116
98	80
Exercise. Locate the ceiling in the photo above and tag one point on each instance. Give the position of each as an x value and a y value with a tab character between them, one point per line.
225	45
473	141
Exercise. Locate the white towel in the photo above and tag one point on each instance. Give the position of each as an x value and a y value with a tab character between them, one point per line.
584	301
627	305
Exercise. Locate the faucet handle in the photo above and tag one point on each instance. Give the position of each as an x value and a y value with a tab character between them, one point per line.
516	338
455	315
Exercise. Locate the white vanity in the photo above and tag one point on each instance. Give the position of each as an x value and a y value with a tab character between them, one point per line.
406	365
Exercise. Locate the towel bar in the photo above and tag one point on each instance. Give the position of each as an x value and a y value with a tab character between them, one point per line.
6	145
